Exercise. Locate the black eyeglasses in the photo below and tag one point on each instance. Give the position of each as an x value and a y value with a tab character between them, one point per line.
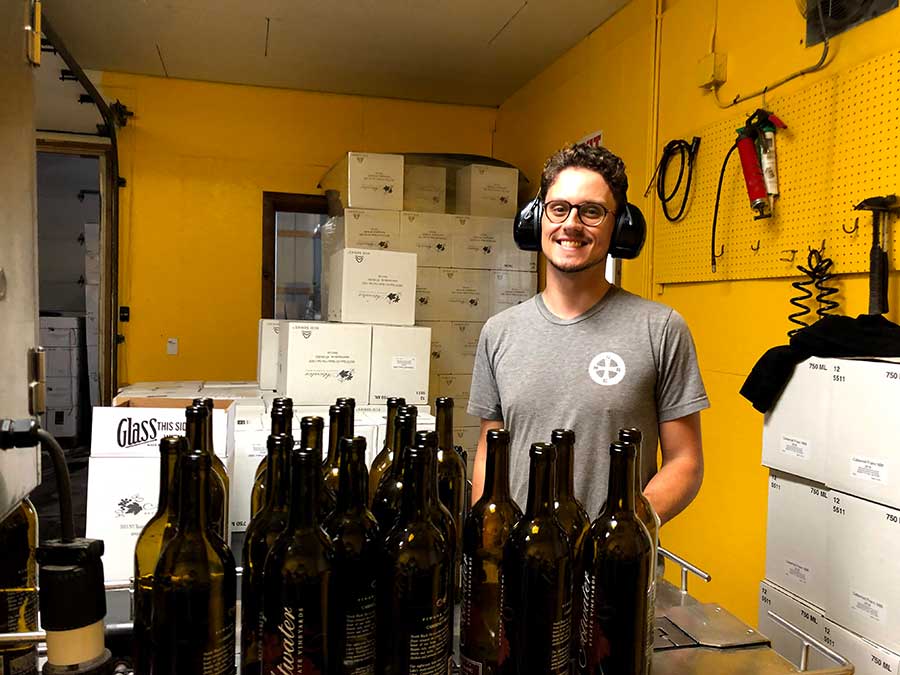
590	213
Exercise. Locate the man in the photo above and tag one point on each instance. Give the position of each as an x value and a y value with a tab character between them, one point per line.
587	355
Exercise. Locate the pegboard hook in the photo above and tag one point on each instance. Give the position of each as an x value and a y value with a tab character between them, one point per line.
855	228
793	253
721	251
753	248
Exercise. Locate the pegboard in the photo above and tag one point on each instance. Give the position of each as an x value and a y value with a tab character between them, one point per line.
842	145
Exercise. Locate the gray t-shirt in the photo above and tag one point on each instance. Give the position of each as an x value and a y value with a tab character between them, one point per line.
626	362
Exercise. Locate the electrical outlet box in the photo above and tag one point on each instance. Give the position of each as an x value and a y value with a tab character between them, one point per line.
711	71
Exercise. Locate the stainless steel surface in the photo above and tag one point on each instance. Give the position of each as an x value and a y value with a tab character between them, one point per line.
712	626
809	641
685	568
37	381
19	469
33	637
670	636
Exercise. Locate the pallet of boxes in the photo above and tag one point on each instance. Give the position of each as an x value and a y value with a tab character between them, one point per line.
457	221
832	444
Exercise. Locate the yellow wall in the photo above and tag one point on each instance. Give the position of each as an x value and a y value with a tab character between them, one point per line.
605	82
197	158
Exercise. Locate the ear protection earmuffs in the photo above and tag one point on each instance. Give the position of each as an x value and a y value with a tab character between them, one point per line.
627	239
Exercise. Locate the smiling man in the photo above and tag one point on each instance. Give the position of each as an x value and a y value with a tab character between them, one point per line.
589	356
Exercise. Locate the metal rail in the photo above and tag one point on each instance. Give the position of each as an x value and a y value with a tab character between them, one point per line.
810	641
685	568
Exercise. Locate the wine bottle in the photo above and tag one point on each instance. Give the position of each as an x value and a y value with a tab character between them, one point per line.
353	531
388	497
193	625
311	437
297	579
351	422
217	465
155	535
648	516
571	513
263	530
414	592
340	426
18	587
451	478
485	533
282	416
536	580
197	434
382	462
616	560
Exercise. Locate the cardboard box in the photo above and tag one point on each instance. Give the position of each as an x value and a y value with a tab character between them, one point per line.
267	354
134	426
362	228
796	536
455	386
58	331
372	287
795	431
483	190
863	455
61	362
400	364
165	389
62	422
251	432
368	180
424	188
320	362
466	295
429	236
800	614
430	297
481	243
510	289
467	439
867	657
863	552
61	392
453	345
461	417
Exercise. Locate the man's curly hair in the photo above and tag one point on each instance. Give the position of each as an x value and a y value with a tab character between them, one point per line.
594	158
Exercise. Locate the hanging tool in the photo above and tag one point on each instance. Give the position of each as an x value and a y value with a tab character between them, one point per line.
817	273
687	153
878	257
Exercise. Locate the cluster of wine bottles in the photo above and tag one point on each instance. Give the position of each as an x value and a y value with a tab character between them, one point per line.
356	572
546	591
18	588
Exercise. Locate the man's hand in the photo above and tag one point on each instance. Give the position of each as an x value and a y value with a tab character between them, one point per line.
481	456
678	480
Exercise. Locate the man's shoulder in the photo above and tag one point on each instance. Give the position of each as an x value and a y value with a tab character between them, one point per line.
510	317
637	306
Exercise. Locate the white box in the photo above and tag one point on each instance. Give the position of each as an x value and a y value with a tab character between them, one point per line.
61	392
134	426
430	296
58	331
863	457
796	536
61	422
867	657
368	180
483	190
92	268
61	362
429	236
362	228
122	496
267	354
400	364
453	345
320	362
800	614
863	554
424	188
481	243
510	289
466	294
372	287
250	436
795	431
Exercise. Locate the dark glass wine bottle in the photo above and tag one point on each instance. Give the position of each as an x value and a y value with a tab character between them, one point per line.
414	592
351	421
486	530
382	462
18	587
217	465
340	426
536	581
616	560
193	623
648	516
451	478
311	437
155	535
354	533
196	431
264	528
297	579
571	513
282	416
389	495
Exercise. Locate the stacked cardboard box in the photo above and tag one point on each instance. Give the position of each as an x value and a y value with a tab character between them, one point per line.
833	539
62	338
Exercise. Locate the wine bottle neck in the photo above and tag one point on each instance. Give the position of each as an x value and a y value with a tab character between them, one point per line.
278	484
419	485
196	434
540	487
353	481
389	427
402	440
496	473
565	479
444	427
168	466
282	421
311	438
192	496
306	479
621	482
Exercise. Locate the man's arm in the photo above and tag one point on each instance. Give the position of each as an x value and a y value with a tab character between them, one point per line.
480	456
678	480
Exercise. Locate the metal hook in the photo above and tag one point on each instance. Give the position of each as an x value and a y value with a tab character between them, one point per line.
821	250
855	227
793	253
753	248
721	251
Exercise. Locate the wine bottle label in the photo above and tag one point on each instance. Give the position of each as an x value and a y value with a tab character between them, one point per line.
587	635
19	662
359	629
465	618
296	646
470	667
219	658
560	640
18	609
429	643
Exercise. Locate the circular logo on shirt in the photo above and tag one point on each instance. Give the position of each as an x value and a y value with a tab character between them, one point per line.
607	368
